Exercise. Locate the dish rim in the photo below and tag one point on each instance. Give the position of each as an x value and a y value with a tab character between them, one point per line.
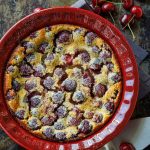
88	138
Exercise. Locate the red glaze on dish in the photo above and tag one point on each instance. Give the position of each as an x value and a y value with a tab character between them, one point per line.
120	47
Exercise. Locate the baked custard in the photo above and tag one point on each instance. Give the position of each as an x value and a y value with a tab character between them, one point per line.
62	83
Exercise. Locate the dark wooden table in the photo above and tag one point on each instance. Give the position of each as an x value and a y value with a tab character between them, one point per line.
12	11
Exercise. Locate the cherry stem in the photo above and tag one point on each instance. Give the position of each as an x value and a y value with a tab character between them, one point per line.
118	3
114	2
96	3
112	18
133	36
128	22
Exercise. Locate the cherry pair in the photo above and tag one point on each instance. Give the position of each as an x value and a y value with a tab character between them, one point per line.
104	7
128	19
108	6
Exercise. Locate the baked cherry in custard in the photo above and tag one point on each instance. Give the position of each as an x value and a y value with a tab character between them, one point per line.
63	85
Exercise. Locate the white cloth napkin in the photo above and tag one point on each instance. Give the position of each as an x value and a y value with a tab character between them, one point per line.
136	132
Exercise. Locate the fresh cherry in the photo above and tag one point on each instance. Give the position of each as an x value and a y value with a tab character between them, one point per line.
109	7
127	4
137	12
126	20
97	9
96	3
126	146
67	58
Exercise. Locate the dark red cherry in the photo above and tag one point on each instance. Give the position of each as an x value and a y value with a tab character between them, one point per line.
60	136
61	111
48	82
73	121
49	57
78	112
97	9
27	45
42	47
78	97
58	97
48	120
69	85
127	4
20	114
90	37
30	58
34	123
110	66
49	132
39	70
35	101
126	146
16	85
97	2
95	65
104	55
25	70
87	79
30	85
34	98
125	19
96	49
58	125
64	37
60	73
109	106
99	90
11	69
137	11
85	56
85	127
67	58
10	95
97	118
108	7
116	77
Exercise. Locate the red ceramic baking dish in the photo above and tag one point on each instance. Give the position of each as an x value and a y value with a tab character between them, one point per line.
108	32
